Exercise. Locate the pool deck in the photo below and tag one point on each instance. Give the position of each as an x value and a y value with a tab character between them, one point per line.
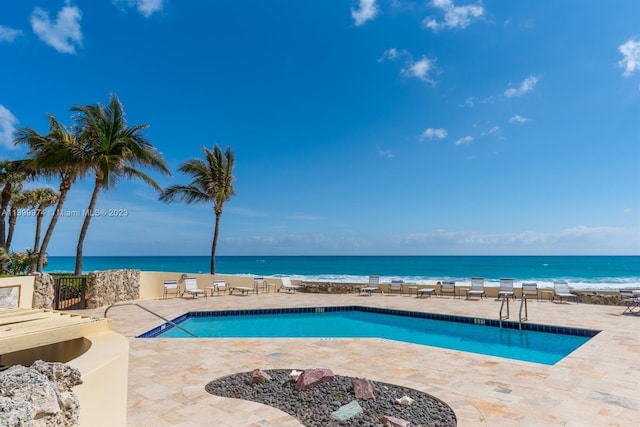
596	385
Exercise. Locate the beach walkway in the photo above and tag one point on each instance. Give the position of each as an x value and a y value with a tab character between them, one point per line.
597	385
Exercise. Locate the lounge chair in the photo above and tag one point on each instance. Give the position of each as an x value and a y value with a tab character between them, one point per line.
530	289
218	286
506	289
425	291
191	287
477	288
286	284
259	282
395	286
448	287
561	290
631	299
374	286
170	287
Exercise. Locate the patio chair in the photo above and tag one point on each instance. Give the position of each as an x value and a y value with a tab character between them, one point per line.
191	287
259	282
219	286
448	287
374	286
477	288
561	290
286	284
395	286
631	299
170	287
530	289
506	289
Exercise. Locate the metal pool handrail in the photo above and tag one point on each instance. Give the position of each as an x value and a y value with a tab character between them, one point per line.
147	310
505	299
523	303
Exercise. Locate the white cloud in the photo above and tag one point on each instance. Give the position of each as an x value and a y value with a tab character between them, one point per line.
145	7
631	62
64	34
419	69
464	141
390	54
8	124
525	87
8	34
431	133
493	131
518	119
367	10
454	16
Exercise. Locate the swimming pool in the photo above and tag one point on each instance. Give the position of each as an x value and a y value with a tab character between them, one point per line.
534	343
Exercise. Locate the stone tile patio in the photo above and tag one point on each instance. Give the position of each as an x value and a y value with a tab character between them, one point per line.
597	385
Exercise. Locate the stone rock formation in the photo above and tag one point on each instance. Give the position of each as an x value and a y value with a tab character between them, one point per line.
39	396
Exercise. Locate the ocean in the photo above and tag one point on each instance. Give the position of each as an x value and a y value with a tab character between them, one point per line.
581	272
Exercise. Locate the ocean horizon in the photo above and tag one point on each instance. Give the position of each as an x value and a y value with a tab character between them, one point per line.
581	272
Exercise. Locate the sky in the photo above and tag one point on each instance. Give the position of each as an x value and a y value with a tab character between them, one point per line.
360	127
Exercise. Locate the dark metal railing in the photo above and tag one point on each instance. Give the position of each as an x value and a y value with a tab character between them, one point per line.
70	293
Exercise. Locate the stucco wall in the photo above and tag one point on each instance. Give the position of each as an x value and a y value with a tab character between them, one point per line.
103	392
26	288
152	282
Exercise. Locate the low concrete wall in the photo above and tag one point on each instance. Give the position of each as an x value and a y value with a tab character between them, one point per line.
152	282
26	288
103	392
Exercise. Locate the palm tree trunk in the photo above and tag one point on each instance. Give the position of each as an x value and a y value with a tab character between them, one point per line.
5	198
85	225
214	244
65	185
13	218
39	217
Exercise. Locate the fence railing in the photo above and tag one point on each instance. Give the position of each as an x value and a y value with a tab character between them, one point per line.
70	293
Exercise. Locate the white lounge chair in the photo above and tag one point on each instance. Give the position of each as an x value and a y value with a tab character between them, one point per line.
561	290
374	286
219	286
477	288
448	287
506	289
530	289
259	282
425	291
170	287
395	286
286	284
191	287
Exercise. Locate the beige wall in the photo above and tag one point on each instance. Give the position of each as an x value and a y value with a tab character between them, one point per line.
103	392
26	288
151	282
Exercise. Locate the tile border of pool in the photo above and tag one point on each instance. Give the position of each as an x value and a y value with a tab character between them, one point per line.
508	324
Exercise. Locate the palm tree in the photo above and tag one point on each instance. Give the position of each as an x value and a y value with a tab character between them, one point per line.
12	175
40	199
212	181
113	151
59	153
19	200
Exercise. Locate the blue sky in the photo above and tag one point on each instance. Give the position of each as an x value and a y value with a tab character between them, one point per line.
360	126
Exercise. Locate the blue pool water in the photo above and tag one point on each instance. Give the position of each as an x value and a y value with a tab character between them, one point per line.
452	332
